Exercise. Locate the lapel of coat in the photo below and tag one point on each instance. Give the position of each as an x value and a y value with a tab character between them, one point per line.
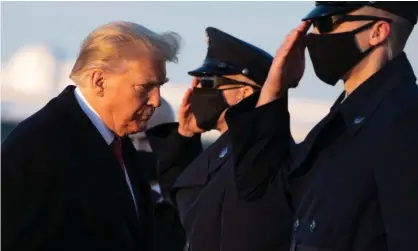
305	147
197	173
137	175
219	153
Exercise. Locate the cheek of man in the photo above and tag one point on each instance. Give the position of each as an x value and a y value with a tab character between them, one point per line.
128	110
233	96
142	112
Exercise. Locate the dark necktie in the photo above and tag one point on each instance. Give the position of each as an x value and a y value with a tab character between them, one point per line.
117	151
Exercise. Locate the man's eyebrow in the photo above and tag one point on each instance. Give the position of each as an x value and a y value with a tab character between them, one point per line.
165	81
162	82
156	82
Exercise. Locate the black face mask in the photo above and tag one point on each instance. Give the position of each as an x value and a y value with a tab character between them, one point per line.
333	55
207	104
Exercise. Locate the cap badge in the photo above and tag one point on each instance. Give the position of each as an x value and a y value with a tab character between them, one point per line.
223	152
358	120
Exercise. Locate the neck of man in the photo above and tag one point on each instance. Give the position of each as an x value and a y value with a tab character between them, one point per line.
222	126
104	114
364	70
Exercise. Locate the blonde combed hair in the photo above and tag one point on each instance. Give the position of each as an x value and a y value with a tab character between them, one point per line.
105	47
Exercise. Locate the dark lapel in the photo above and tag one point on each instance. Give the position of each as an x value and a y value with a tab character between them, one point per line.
305	147
137	174
219	152
140	185
197	173
100	167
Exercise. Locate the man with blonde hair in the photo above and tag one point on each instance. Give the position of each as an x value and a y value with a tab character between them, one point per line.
69	179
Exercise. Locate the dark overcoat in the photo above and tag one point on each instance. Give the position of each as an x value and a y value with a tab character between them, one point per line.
62	188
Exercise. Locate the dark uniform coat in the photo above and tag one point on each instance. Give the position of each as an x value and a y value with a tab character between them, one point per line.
201	184
169	233
353	182
62	188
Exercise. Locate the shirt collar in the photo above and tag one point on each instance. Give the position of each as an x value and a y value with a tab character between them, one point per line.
361	103
94	117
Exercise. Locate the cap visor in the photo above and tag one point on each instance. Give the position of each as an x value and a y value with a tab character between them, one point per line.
323	11
207	70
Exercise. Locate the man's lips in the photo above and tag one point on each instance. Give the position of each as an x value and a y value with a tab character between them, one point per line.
143	117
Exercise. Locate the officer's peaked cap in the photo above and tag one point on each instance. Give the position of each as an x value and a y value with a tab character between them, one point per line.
407	10
228	55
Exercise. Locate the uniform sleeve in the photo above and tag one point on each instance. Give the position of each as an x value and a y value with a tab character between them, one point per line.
397	180
261	142
174	153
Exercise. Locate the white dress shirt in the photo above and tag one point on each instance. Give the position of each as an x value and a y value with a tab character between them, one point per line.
156	188
102	128
345	97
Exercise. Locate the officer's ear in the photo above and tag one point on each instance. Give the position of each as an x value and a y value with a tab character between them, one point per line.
246	91
380	33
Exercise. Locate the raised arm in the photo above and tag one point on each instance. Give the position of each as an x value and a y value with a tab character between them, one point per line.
176	145
260	127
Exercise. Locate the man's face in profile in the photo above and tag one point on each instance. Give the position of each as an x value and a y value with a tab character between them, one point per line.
162	114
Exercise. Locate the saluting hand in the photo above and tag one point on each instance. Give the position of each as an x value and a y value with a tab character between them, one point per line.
187	121
288	66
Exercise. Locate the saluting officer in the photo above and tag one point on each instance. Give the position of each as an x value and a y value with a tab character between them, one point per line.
353	182
201	183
